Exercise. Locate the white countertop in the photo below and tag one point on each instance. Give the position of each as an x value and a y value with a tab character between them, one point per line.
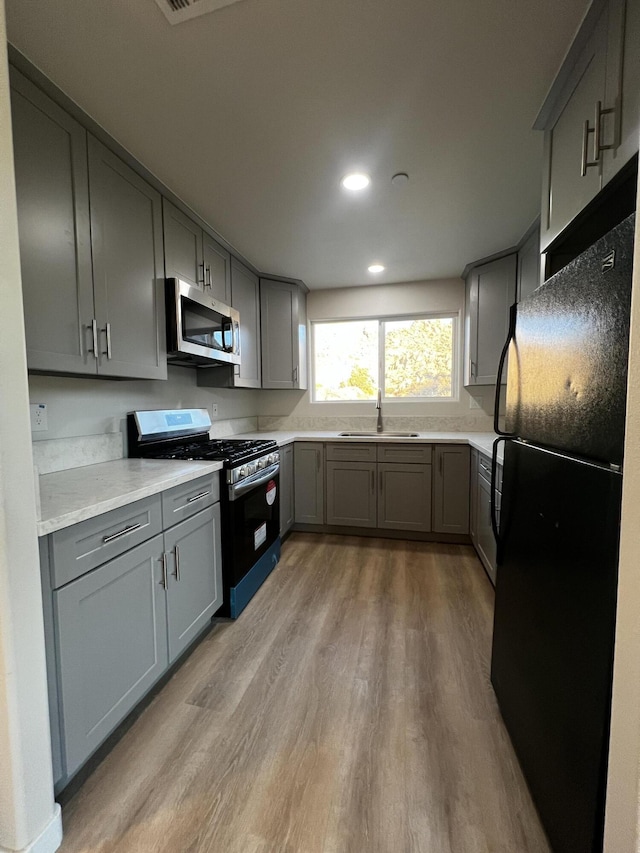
67	497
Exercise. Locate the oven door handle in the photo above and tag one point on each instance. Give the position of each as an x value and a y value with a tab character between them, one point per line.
257	479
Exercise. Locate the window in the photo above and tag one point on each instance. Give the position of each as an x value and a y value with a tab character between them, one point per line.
409	358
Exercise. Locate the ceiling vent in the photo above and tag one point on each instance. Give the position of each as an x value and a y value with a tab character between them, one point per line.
177	11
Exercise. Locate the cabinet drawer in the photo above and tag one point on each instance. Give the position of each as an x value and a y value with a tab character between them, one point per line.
88	544
484	468
404	453
186	500
351	452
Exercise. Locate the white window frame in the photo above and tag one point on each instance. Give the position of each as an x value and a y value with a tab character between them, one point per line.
454	316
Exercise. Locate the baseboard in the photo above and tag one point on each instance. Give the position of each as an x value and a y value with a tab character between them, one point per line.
49	839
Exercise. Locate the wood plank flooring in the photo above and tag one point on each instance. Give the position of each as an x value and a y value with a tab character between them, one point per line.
349	710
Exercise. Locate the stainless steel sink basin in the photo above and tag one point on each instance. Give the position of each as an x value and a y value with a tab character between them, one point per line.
381	434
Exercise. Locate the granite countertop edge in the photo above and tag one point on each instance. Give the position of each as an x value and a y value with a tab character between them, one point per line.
77	494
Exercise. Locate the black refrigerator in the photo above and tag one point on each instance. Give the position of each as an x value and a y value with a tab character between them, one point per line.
555	607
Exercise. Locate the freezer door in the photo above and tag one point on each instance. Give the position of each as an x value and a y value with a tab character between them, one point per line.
553	633
567	378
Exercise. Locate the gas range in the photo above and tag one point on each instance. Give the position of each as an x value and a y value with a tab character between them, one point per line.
184	434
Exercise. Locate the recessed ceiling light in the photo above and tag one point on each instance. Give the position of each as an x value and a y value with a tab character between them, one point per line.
375	268
356	181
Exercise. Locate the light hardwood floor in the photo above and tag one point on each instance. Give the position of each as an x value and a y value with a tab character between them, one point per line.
349	710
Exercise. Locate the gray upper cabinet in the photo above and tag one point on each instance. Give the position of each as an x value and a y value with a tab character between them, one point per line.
309	482
112	645
286	489
284	334
50	151
451	489
126	240
529	270
490	291
87	269
194	572
182	246
351	494
245	298
592	114
193	255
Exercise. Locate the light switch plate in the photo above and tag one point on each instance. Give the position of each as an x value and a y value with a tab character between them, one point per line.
39	417
214	410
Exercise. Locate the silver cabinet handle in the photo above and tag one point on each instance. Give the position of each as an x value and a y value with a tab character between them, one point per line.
120	533
203	280
207	282
440	463
597	132
373	480
199	496
177	556
295	374
163	560
472	368
94	335
585	163
107	331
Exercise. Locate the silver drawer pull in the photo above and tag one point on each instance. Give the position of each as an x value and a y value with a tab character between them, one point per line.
125	532
198	497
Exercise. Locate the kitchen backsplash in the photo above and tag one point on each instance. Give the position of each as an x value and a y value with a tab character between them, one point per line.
60	454
479	421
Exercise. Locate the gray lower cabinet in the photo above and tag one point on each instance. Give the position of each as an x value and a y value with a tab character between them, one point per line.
404	498
486	543
309	482
490	291
473	497
283	317
351	493
194	577
112	645
451	489
115	620
287	509
90	233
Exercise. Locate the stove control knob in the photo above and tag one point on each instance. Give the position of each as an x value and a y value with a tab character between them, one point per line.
262	463
243	472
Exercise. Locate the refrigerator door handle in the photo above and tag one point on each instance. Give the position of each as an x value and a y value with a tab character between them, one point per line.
494	519
503	355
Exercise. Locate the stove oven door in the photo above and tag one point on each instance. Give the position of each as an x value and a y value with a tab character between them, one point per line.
253	523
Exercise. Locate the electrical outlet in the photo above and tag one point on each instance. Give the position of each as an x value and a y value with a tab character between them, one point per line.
474	403
39	417
214	410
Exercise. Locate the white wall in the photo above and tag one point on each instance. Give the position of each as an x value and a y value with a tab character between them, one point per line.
27	808
295	408
77	407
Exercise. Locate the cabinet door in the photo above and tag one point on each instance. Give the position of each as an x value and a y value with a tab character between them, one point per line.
404	496
278	306
473	497
50	151
217	270
182	246
625	26
309	482
112	645
486	543
286	489
451	489
195	577
565	190
126	241
351	494
245	298
491	290
529	265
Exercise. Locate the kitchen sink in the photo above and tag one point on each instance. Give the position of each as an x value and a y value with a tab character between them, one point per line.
382	434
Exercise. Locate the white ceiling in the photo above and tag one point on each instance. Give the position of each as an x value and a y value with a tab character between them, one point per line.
253	113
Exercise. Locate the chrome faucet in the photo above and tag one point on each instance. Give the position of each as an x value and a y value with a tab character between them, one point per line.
379	408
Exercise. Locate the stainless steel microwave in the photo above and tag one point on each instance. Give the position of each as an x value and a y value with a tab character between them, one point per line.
200	330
